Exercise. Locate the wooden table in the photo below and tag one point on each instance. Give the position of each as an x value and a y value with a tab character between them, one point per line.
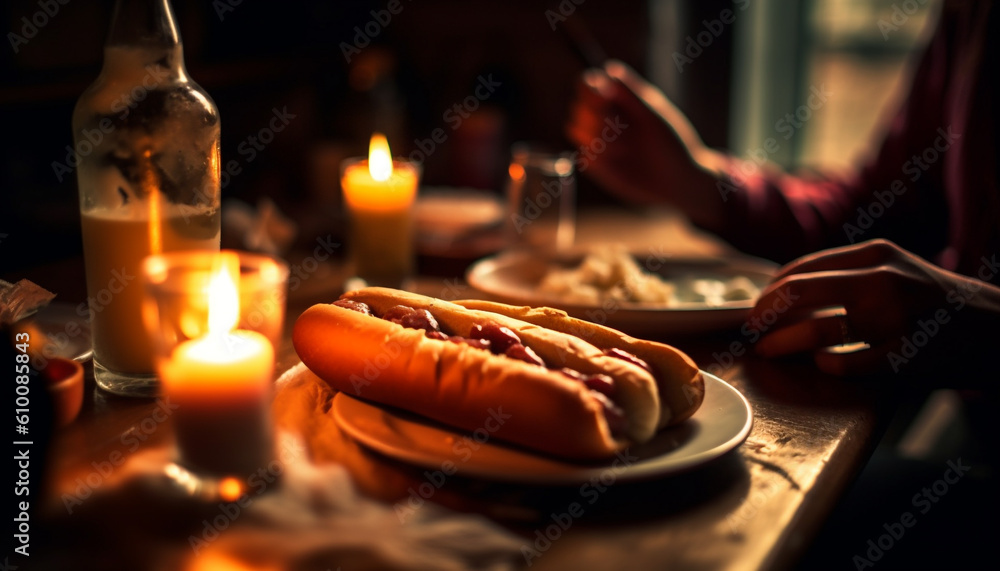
756	508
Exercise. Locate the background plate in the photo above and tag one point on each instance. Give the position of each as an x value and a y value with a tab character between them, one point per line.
513	277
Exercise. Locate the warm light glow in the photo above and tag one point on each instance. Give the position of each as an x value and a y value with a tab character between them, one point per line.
152	189
230	489
213	561
515	171
223	295
379	158
564	167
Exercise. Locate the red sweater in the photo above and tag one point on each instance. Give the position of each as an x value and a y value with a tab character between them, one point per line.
932	187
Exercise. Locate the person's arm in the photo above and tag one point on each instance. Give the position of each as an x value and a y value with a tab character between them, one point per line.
659	158
895	194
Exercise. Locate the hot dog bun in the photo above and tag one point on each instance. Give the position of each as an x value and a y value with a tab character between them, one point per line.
680	384
465	387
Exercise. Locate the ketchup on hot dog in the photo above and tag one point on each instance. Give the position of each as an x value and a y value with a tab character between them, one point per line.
501	340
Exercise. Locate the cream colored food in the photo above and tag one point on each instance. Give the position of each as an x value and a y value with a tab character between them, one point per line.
612	273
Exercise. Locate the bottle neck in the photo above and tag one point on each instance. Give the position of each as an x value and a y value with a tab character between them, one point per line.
144	40
143	23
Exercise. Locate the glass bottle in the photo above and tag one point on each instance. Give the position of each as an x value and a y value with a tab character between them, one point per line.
146	138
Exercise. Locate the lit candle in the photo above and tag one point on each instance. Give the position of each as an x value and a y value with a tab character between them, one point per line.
220	384
379	194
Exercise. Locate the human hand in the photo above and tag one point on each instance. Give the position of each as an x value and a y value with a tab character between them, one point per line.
897	303
635	143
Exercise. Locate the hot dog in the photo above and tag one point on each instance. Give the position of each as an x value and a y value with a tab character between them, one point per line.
679	382
555	392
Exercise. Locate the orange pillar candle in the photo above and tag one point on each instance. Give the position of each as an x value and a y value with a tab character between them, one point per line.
379	194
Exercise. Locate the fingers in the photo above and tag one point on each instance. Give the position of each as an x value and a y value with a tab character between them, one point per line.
807	292
806	335
872	359
595	100
645	94
831	340
595	89
864	255
618	89
839	321
599	83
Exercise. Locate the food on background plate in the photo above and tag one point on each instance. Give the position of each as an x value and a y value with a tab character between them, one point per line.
557	385
612	273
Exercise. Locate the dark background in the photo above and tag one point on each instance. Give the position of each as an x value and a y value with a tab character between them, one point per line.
255	57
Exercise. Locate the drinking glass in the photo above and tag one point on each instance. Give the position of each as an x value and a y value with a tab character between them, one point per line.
541	195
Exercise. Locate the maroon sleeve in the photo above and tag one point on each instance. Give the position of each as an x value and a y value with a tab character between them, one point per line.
896	194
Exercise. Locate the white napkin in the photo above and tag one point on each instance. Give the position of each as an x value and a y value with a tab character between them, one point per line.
138	519
317	518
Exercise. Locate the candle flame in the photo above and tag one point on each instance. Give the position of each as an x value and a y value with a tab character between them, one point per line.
379	158
223	295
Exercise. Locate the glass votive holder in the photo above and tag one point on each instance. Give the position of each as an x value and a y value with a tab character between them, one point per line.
379	194
541	198
216	321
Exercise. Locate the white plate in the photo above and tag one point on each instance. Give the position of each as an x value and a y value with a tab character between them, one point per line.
513	277
720	425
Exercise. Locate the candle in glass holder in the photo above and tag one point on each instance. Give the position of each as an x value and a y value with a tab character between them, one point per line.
379	194
216	359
